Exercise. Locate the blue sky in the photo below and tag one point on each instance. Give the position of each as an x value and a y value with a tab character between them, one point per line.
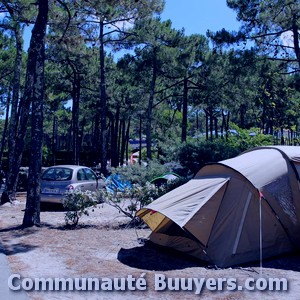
197	16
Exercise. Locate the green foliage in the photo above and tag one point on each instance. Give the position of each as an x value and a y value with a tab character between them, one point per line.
141	174
47	156
77	204
130	200
249	138
196	153
7	54
265	21
141	192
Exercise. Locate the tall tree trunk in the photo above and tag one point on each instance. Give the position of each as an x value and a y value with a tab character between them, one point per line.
211	128
81	134
216	126
127	140
123	141
140	140
184	110
4	134
37	58
116	153
295	30
242	115
223	124
103	103
110	124
150	107
12	173
197	120
226	119
263	117
119	142
114	139
96	138
75	116
211	124
69	140
54	140
206	124
282	137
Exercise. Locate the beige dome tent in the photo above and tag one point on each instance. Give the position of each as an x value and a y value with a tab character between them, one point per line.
216	215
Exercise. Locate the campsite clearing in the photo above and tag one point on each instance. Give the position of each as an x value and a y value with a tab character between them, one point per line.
101	248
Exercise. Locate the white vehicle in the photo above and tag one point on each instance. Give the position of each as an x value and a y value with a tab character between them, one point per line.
58	180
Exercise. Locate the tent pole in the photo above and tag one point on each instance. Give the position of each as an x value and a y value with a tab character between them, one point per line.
260	236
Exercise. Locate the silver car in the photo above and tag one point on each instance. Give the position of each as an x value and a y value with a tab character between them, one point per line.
57	180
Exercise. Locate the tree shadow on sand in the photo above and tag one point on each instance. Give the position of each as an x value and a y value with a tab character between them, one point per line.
18	231
64	227
15	248
150	256
52	207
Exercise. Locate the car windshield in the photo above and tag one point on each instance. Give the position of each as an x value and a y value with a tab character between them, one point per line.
57	174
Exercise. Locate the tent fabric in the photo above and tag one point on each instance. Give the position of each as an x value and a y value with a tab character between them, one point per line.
292	152
215	216
164	178
180	206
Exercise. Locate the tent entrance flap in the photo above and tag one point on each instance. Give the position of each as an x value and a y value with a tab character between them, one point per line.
201	224
181	204
154	219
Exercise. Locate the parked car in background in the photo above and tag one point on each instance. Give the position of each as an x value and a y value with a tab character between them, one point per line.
58	180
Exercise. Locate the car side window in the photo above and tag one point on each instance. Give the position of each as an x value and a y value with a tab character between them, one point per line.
60	174
89	174
81	175
49	174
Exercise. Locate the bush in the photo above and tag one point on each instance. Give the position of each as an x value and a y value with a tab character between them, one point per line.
137	196
196	153
140	174
77	204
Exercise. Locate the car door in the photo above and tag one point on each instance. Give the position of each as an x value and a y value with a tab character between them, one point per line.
81	180
91	183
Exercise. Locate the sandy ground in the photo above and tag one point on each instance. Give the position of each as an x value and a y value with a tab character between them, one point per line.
103	247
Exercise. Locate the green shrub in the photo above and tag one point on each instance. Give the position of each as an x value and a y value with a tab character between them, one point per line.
77	203
141	174
137	196
197	152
